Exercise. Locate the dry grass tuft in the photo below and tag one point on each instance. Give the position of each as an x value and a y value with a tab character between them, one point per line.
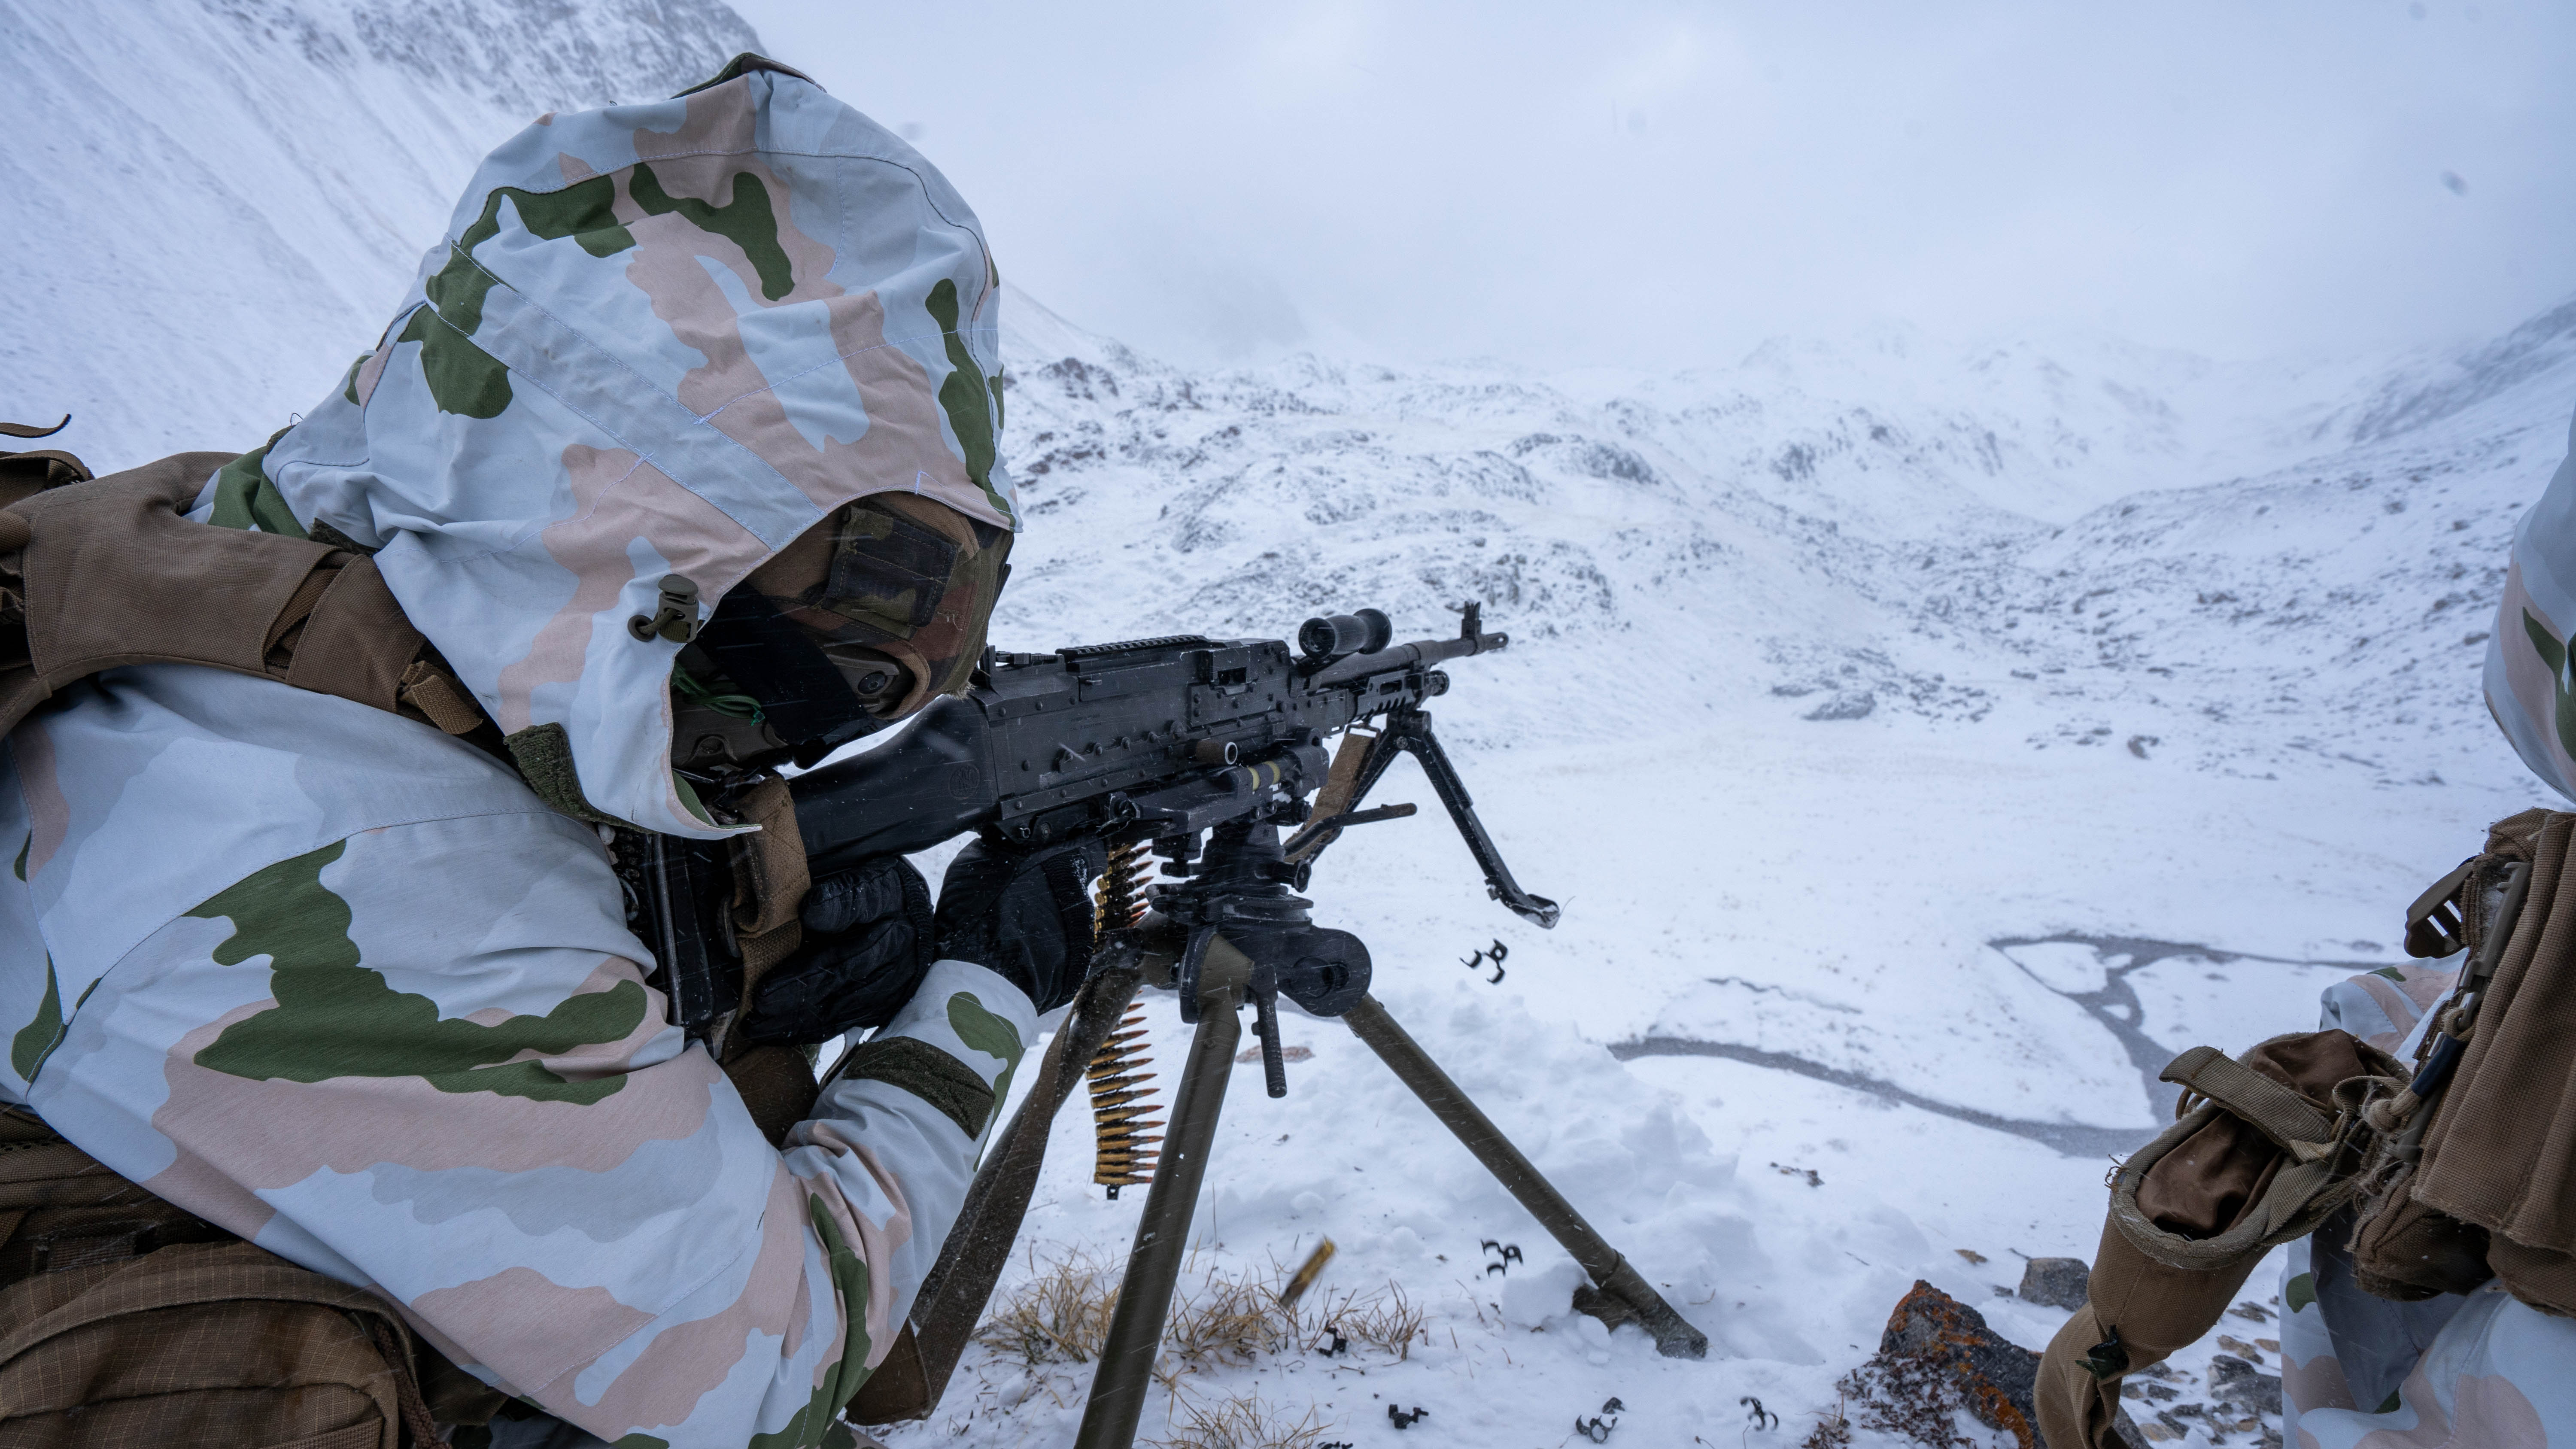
1833	1431
1242	1422
1384	1319
1059	1316
1227	1321
1220	1319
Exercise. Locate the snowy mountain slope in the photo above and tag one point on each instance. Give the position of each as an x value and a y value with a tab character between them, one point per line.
1925	740
216	203
1926	749
1847	551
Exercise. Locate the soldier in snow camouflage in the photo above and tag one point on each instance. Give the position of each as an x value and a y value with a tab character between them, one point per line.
2360	1372
354	989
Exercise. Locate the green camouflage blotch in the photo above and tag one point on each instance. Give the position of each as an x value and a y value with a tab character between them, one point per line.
2390	1405
336	1018
585	211
748	222
2300	1291
2553	652
814	1422
2392	973
637	1440
36	1040
23	847
967	396
244	498
463	378
349	384
989	1034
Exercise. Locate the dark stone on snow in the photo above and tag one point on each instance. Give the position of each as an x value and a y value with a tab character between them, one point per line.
1995	1375
1856	705
2055	1282
2234	1381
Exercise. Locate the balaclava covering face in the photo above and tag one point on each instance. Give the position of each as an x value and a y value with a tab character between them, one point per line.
658	340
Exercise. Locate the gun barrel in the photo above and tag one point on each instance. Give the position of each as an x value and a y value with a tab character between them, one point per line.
1406	656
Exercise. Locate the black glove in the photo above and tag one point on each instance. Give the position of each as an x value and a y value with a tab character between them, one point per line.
1024	914
866	948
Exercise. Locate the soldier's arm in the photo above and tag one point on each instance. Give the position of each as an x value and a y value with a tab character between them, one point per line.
424	1059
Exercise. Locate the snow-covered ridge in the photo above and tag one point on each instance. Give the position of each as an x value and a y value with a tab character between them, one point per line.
2232	562
214	204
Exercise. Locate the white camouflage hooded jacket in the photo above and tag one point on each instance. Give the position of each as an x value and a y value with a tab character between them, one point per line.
347	986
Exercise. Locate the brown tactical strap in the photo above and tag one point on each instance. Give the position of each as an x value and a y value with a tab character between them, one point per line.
1341	782
2433	923
110	573
2283	1115
770	877
24	475
770	880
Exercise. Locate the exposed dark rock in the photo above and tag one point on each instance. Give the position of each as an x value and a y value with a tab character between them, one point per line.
1995	1375
1855	705
2055	1282
2234	1381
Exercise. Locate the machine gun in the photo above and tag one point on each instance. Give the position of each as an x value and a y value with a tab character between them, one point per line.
1199	753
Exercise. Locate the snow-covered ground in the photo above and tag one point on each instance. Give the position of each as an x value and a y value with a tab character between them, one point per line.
1913	798
1925	740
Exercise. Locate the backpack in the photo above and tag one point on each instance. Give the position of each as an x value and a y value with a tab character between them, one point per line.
124	1320
2478	1176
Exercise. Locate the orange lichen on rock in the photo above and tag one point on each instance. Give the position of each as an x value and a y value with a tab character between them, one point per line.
1994	1375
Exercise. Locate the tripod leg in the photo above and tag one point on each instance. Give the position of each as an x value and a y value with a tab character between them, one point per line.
915	1373
1126	1369
1674	1337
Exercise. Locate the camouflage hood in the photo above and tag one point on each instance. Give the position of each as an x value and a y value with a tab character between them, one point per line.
2530	678
656	339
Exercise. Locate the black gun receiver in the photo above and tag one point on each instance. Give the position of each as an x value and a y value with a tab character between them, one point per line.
1202	749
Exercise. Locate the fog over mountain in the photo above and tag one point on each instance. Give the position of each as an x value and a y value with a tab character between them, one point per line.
1926	739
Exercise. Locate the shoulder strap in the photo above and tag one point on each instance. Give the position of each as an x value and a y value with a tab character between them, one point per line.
107	573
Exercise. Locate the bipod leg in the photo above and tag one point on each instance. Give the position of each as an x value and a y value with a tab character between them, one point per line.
1126	1369
1674	1337
908	1385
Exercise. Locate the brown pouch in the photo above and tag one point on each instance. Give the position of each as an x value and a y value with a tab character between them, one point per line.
2263	1152
2493	1193
2137	1312
125	1320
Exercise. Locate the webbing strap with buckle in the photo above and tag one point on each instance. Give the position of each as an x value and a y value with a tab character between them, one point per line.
2275	1110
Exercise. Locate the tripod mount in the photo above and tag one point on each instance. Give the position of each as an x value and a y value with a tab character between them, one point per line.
1225	932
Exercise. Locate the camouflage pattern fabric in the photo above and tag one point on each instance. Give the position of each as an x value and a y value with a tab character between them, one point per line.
2530	679
345	985
657	339
339	983
2359	1372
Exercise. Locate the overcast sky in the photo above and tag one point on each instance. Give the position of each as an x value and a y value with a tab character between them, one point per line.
1666	185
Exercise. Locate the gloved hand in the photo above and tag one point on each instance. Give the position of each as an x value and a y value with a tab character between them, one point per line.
1026	915
866	948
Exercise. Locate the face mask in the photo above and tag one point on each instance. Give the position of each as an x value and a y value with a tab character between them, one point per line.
862	620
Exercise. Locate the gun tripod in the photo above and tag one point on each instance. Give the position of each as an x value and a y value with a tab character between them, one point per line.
1247	941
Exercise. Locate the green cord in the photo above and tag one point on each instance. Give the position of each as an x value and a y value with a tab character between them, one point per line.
737	706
